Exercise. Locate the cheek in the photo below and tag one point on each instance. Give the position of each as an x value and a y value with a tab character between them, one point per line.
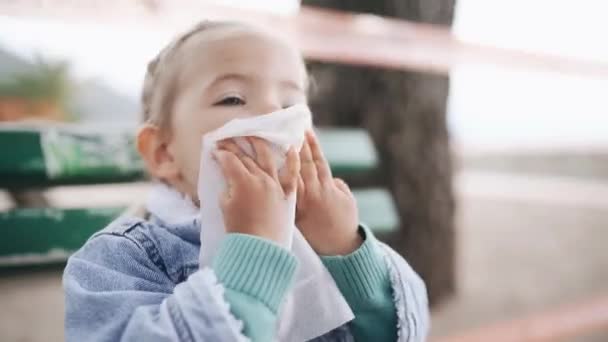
188	129
192	154
187	150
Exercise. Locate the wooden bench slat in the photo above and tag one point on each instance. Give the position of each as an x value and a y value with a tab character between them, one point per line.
46	235
377	210
47	156
70	155
348	150
42	235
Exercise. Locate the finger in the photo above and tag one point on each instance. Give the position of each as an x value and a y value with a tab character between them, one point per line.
301	189
340	184
232	167
307	165
323	170
251	165
300	196
264	156
231	146
289	178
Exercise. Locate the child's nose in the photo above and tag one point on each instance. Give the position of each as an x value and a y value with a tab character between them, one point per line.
268	108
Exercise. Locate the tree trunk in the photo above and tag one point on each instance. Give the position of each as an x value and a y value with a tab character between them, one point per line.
405	113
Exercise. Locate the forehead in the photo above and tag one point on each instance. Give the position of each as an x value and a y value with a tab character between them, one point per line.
240	50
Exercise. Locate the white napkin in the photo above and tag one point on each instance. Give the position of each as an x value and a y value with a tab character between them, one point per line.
315	305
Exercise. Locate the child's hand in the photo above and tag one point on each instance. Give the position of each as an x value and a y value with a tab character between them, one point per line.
254	199
326	211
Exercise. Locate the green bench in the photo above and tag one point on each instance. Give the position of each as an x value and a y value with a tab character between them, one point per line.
43	235
73	155
67	155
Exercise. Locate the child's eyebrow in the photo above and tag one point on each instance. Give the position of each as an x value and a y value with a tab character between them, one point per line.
229	77
246	79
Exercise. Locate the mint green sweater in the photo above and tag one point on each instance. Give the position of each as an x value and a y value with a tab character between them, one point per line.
257	275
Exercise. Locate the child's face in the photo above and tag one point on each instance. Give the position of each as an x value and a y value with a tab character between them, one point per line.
233	73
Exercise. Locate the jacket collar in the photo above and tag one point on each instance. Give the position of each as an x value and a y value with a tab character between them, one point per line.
175	212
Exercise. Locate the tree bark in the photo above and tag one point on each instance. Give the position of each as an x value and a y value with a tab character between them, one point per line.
405	113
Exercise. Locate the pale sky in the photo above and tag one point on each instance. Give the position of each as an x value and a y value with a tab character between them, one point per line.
487	106
518	108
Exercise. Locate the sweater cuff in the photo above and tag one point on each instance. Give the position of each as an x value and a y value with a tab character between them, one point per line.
256	267
362	275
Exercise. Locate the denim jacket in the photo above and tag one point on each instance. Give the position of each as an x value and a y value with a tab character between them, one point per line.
139	280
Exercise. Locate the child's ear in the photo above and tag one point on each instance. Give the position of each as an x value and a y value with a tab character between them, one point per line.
153	148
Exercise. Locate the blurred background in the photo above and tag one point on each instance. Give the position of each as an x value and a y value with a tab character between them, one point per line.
481	129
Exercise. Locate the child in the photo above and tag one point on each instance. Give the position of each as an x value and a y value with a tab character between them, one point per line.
139	280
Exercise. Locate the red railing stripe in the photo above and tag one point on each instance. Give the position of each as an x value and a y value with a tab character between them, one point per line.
559	324
324	35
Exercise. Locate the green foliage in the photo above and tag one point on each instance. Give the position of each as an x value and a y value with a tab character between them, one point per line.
45	81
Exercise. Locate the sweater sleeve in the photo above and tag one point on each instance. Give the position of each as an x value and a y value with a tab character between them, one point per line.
256	274
364	280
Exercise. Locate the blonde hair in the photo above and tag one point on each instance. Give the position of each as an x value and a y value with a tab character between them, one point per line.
160	83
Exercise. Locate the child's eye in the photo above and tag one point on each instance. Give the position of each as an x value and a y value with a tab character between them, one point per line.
231	101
